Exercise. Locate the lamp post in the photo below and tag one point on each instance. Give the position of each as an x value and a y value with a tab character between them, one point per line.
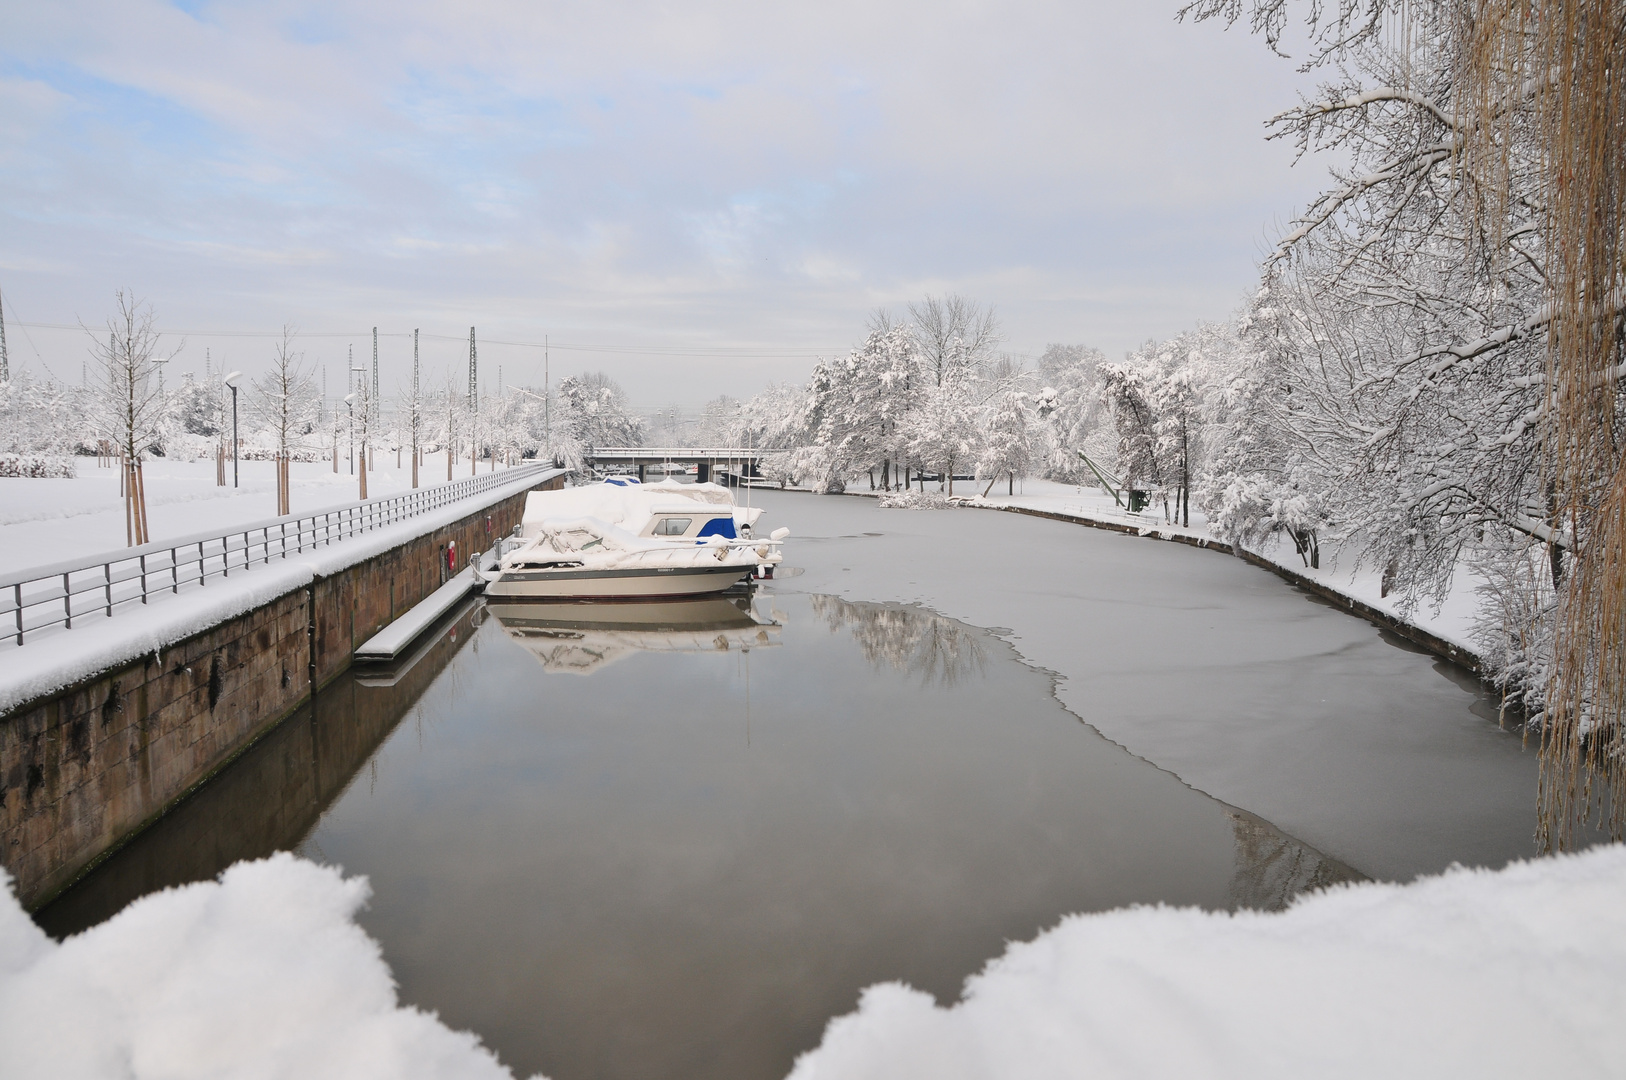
231	381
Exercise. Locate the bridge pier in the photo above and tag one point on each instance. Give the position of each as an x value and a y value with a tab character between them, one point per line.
703	473
640	472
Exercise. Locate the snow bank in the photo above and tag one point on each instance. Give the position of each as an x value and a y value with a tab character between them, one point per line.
263	974
1516	973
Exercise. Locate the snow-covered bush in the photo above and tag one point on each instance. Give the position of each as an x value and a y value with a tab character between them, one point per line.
915	500
37	465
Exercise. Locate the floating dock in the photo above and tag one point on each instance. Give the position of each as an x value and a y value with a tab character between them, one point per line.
394	640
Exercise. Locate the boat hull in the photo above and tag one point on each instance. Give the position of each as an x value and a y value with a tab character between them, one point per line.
581	584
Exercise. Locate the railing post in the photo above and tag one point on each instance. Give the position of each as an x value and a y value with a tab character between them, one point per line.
67	603
17	595
107	576
174	571
143	579
202	570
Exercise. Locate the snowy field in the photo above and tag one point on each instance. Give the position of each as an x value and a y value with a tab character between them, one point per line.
265	974
49	520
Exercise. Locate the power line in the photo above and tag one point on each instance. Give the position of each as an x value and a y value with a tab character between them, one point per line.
745	352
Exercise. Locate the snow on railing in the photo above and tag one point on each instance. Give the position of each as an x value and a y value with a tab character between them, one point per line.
58	595
719	453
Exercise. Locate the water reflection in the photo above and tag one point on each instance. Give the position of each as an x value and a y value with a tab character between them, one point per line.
1273	868
907	638
271	797
584	638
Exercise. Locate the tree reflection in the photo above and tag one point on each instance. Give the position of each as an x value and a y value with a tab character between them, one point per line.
1272	868
909	639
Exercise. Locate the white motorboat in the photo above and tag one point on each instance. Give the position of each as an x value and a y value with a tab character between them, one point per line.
624	540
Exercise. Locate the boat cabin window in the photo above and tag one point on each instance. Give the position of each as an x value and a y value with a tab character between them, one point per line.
672	526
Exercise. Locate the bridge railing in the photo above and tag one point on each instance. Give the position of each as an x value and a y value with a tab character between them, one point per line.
67	593
710	453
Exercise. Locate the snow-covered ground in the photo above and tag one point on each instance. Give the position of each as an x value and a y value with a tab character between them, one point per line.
265	975
1514	973
49	520
261	975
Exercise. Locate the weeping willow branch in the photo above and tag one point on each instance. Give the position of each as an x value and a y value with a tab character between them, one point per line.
1579	48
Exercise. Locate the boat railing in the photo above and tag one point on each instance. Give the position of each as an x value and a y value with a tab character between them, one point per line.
66	594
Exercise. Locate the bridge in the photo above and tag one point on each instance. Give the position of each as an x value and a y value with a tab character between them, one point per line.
710	459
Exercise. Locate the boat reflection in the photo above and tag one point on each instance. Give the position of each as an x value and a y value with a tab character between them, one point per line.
582	638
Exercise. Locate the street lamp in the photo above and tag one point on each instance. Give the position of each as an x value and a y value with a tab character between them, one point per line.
231	381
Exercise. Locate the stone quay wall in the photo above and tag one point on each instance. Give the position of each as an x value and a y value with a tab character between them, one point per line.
88	768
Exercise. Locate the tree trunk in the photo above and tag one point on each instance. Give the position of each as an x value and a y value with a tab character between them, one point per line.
139	499
363	471
990	486
1011	487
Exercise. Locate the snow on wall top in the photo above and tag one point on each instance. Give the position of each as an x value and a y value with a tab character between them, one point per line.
45	666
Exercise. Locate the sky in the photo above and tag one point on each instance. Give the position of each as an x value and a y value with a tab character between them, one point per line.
695	198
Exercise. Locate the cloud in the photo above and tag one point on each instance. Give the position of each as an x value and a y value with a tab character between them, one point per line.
639	173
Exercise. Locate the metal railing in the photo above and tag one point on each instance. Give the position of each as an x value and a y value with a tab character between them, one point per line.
70	592
692	453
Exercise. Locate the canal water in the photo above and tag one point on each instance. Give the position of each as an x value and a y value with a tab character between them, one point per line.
675	840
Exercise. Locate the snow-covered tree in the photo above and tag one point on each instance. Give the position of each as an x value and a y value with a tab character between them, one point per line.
130	410
942	433
954	337
284	402
593	411
1007	439
1072	413
857	404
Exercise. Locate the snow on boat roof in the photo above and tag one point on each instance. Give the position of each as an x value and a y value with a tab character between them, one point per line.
626	505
